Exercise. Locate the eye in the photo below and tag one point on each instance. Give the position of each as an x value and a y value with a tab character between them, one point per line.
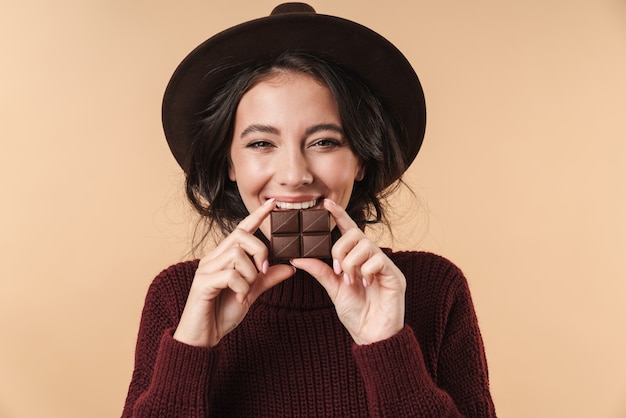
259	145
327	143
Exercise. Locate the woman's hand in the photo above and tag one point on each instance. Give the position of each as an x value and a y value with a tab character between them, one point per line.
228	279
366	287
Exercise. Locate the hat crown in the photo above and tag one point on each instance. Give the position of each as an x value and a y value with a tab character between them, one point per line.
292	26
294	7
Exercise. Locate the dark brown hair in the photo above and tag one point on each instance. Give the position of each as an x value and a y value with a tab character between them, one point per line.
371	132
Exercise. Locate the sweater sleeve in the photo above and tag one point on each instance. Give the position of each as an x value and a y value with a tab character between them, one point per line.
462	365
397	381
170	378
443	374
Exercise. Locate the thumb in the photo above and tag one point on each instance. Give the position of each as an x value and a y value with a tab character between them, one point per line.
322	273
275	274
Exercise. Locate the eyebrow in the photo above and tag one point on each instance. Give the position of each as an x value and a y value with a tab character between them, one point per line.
268	129
255	128
325	127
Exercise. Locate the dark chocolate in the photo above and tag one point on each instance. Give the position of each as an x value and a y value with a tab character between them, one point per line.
300	233
285	222
315	246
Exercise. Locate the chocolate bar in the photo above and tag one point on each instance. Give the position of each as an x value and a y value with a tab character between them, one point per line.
300	233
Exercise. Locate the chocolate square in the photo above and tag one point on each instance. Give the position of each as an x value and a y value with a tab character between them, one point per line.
315	221
316	246
300	233
285	246
285	222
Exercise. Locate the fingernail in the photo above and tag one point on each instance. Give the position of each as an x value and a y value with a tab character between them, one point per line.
269	201
265	267
329	201
365	284
336	266
346	279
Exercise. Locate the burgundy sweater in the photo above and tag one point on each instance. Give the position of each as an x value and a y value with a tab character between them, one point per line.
292	357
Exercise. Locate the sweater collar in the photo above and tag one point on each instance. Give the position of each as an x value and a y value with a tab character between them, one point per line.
301	291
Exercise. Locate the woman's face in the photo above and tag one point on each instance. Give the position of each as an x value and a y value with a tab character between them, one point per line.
288	144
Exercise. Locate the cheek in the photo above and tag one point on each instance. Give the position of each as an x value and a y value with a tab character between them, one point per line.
345	169
250	175
237	166
340	176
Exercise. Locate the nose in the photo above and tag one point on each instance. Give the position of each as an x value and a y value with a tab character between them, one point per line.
293	169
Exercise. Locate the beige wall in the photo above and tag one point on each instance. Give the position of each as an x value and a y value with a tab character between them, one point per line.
522	178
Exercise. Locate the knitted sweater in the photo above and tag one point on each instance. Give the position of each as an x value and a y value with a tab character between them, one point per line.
292	357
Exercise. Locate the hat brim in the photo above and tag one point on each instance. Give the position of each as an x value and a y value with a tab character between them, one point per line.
354	47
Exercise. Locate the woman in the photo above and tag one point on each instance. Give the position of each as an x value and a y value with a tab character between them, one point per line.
288	111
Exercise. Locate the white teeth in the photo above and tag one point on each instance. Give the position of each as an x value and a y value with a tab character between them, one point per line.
298	205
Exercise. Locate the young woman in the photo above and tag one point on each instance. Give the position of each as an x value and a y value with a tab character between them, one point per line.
300	110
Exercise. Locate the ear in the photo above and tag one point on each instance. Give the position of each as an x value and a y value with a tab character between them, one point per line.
360	172
231	172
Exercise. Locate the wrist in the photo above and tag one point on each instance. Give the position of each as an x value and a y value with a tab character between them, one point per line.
378	337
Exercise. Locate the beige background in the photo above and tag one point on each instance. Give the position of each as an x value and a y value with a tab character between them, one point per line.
521	179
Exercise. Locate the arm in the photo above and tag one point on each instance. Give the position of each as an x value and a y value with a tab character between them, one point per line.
462	365
188	310
376	297
397	381
170	378
436	365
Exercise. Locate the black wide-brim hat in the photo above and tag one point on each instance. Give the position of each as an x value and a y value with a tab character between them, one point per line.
292	27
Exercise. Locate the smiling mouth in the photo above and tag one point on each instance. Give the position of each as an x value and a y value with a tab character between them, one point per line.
296	205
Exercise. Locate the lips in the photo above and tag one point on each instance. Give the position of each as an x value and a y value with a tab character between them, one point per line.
296	205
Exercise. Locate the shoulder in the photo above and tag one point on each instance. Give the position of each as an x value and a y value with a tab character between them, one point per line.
430	277
177	273
418	265
437	296
175	276
170	287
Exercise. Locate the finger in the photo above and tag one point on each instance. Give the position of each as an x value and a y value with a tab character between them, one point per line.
253	247
347	242
243	240
237	252
371	268
209	286
252	222
342	219
238	285
274	275
344	246
358	255
241	263
321	272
